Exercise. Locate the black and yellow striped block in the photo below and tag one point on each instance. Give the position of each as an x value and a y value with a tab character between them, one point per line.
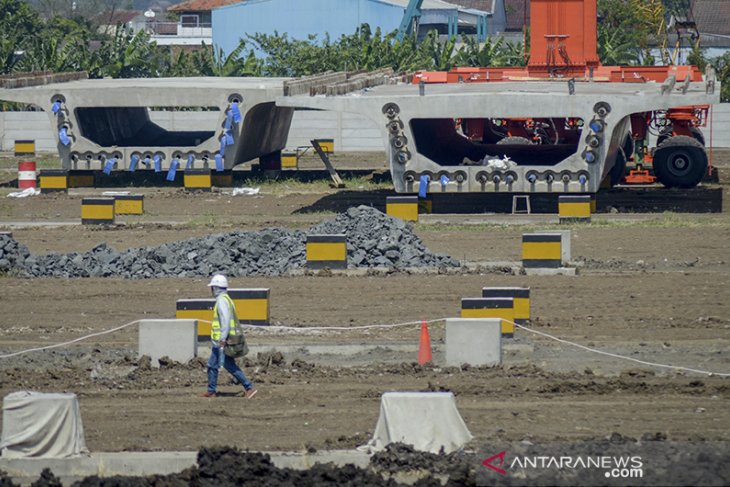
81	179
252	305
327	145
574	209
97	211
520	297
289	160
222	179
199	179
25	147
129	204
327	251
403	207
197	309
541	250
502	308
53	180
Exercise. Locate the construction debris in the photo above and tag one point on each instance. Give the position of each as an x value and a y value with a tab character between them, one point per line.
373	240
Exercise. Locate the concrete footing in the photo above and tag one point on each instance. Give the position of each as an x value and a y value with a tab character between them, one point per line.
474	341
545	271
177	339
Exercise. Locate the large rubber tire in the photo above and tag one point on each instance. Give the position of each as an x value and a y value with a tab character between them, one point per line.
680	162
698	135
618	171
514	141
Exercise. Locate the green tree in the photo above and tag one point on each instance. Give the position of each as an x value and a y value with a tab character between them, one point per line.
207	62
128	55
491	53
19	25
623	30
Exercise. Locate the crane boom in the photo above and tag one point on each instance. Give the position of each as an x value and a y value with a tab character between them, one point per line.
413	10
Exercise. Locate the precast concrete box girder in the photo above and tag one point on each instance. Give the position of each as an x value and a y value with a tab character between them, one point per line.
419	130
98	119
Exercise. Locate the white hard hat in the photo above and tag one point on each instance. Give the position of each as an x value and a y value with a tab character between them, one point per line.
218	280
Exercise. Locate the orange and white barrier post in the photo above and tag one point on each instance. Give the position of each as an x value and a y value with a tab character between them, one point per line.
26	175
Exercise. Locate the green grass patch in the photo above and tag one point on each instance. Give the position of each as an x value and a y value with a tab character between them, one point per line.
660	220
289	186
42	161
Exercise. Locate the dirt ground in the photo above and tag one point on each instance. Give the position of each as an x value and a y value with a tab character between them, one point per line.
651	287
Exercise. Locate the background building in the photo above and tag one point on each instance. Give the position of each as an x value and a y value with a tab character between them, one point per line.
299	19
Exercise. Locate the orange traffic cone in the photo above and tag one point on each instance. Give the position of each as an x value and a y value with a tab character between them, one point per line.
424	345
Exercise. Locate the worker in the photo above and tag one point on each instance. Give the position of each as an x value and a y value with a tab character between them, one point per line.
225	324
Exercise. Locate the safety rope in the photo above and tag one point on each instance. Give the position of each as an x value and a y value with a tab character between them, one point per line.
388	326
57	345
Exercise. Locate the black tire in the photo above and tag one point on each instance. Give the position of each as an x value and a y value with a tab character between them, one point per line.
698	135
514	141
618	171
663	136
680	162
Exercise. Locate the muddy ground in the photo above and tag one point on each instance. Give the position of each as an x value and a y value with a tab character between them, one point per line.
651	287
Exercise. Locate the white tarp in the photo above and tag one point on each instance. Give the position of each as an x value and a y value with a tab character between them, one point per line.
426	420
37	424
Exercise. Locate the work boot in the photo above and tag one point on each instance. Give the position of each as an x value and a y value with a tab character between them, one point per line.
250	393
208	394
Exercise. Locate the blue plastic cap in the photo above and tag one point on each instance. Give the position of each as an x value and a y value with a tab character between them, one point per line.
63	136
236	112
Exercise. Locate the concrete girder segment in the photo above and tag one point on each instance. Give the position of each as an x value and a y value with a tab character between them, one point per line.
99	119
421	139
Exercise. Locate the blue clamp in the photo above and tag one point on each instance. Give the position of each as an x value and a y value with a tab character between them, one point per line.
146	161
228	125
229	138
444	180
109	165
423	186
56	107
173	169
191	159
158	163
133	162
236	112
63	136
218	163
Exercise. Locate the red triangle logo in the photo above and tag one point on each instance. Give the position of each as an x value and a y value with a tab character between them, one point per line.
500	456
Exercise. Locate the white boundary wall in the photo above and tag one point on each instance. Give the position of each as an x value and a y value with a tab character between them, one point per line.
351	132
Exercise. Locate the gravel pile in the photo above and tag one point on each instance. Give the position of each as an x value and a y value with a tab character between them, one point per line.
376	240
373	240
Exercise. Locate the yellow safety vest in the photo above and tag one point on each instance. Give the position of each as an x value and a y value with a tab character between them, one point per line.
215	332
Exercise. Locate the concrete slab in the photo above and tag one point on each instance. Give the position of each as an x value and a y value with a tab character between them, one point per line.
143	463
107	464
177	339
473	341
